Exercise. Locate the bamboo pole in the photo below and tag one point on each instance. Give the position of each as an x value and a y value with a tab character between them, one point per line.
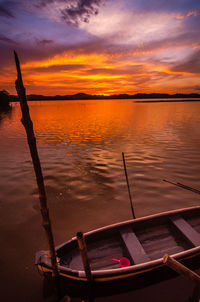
86	264
129	192
178	184
28	125
181	269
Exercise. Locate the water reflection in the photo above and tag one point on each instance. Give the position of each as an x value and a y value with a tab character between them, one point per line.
6	112
80	145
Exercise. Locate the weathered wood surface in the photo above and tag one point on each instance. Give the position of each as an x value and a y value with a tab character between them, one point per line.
181	269
194	222
158	240
102	251
188	232
133	246
28	125
86	264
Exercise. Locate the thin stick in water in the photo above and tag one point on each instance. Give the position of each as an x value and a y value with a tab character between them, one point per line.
129	192
178	184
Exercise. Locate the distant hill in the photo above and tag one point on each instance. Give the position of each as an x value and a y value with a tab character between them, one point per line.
84	96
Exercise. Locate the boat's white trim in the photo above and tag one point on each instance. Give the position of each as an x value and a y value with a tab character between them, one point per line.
137	267
130	221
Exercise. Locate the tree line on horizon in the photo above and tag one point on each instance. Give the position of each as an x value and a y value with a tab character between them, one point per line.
6	98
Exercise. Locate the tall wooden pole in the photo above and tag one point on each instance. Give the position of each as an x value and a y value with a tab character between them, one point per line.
28	125
86	264
129	192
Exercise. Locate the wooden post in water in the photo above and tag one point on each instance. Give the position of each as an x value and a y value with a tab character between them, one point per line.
185	273
181	269
28	125
86	264
129	192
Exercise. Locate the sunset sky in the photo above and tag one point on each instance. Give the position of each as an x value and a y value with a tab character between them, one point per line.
101	46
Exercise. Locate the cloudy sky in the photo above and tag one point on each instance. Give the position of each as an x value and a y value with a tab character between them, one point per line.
101	46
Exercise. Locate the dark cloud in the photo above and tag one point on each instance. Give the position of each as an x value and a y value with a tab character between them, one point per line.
26	51
191	64
6	40
80	11
44	42
74	11
71	12
43	3
5	12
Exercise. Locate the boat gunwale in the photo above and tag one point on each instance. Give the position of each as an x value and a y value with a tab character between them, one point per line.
145	265
133	268
143	218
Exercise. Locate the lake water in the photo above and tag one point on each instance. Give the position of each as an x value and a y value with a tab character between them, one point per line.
80	146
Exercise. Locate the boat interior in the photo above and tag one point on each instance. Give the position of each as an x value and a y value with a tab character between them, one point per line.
140	241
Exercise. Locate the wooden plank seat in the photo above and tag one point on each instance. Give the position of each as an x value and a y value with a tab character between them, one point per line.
186	230
133	245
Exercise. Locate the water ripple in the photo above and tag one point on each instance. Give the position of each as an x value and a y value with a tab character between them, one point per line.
80	145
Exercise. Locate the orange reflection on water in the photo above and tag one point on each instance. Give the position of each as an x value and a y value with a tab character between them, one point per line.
80	120
100	120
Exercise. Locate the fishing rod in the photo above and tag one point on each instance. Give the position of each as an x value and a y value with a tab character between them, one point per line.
178	184
129	192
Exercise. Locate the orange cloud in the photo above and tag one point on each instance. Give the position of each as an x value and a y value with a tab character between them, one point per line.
194	12
180	16
107	73
66	58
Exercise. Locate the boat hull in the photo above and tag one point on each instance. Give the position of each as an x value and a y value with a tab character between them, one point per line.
144	241
78	287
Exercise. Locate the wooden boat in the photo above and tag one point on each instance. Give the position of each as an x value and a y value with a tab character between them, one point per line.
143	241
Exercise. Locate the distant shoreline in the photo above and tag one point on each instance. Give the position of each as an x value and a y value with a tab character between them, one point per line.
167	101
139	96
138	101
